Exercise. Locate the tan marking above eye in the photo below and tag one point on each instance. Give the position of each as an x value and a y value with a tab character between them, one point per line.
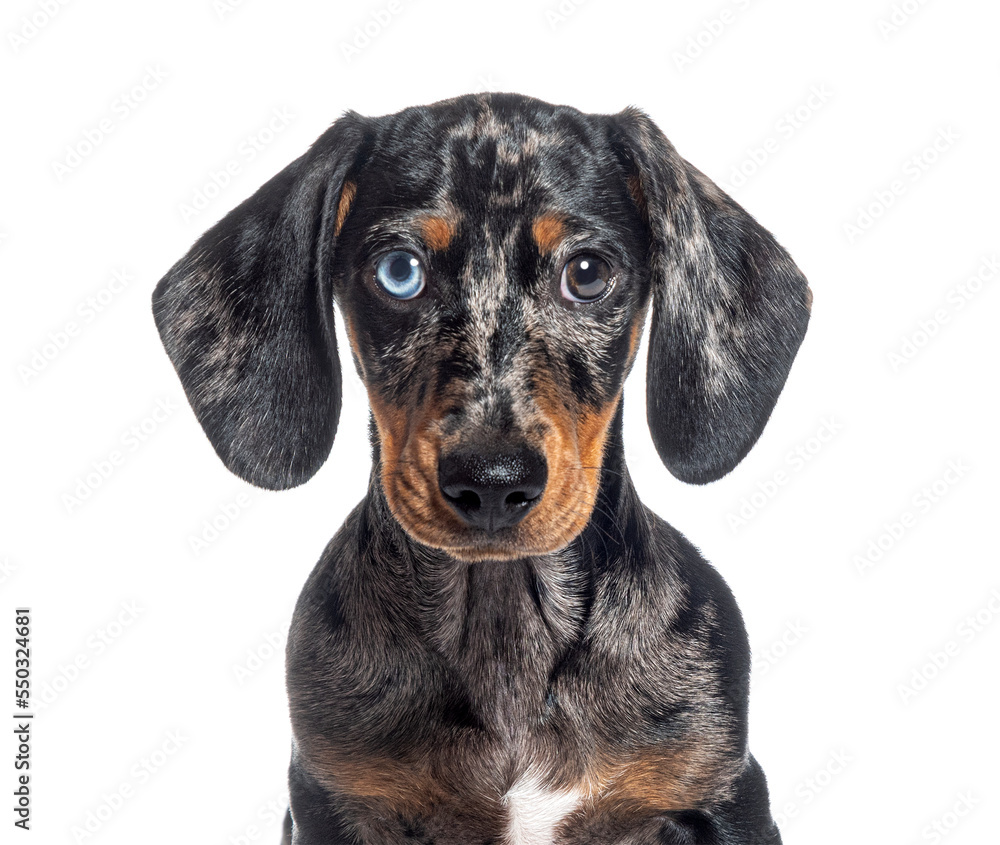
344	206
437	232
548	230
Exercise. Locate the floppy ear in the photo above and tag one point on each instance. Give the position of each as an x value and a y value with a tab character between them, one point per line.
247	319
730	309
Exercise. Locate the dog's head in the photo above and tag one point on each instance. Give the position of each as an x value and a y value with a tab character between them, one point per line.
494	258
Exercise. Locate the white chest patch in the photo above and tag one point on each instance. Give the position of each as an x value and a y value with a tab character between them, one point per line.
534	811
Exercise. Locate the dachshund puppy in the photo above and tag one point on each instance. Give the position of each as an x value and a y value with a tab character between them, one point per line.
501	644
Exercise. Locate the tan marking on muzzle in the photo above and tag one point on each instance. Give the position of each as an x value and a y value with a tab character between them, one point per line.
410	447
573	445
574	451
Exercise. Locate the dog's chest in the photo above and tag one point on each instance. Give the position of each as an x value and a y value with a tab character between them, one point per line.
486	724
535	811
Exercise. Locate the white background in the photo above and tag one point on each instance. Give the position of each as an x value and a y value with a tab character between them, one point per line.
175	727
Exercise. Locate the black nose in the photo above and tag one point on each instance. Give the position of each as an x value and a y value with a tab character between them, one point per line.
494	488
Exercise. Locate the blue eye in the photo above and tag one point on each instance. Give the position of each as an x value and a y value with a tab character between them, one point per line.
400	274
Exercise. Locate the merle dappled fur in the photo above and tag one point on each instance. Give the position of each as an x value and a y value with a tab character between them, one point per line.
437	675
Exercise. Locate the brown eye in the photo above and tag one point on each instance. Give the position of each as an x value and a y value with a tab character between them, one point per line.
585	278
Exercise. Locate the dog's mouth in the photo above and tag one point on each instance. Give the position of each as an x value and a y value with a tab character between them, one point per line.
493	498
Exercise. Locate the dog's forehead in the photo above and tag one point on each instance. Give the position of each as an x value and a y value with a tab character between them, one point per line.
493	157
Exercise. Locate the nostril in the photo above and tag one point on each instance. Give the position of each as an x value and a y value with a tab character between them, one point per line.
521	498
465	499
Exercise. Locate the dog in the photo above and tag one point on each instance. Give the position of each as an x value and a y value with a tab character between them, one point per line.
501	644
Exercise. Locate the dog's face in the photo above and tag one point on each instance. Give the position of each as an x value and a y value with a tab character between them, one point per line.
494	258
494	300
